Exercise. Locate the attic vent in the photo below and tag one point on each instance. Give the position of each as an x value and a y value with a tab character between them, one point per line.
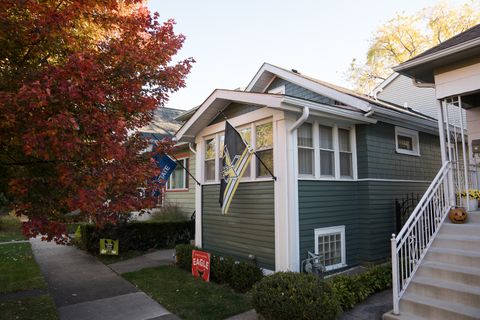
295	71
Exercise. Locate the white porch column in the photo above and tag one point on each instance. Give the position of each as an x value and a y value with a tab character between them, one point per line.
200	147
441	131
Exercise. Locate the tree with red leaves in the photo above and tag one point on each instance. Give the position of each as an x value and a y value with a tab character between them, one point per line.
77	78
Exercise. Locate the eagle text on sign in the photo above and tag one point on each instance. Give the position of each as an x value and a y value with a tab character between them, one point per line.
201	265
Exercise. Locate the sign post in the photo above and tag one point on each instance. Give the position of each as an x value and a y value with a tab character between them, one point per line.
201	265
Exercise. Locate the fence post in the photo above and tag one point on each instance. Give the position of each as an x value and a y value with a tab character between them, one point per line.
395	283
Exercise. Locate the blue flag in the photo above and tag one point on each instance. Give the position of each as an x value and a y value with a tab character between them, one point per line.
166	165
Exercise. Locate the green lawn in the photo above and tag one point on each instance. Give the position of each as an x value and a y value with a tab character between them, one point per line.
37	308
187	297
18	269
10	229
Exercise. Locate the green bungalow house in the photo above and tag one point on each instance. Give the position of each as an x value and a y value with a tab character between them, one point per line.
340	159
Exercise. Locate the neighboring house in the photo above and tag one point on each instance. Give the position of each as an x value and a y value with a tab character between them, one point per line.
180	188
435	263
401	90
340	159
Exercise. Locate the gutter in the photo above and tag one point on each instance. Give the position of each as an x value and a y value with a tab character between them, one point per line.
302	119
437	55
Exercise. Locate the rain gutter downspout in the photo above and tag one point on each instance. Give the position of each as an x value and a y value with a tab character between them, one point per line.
302	119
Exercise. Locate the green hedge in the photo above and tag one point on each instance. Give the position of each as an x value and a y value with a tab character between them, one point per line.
241	276
139	235
354	289
291	295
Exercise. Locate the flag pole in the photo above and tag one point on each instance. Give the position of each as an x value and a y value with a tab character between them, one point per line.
254	152
181	165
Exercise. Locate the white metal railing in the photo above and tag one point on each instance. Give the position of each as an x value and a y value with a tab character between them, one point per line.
412	242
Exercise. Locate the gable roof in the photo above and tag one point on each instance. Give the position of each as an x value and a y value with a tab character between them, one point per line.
267	73
163	124
463	46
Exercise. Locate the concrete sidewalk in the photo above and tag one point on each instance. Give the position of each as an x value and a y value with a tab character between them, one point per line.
84	288
149	260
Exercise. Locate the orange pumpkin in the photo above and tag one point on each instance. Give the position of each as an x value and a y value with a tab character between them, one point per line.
457	215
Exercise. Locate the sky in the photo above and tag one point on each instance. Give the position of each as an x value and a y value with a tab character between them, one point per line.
230	40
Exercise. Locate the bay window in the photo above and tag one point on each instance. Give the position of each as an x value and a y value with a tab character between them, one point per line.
325	151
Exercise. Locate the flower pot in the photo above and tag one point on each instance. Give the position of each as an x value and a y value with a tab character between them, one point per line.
473	204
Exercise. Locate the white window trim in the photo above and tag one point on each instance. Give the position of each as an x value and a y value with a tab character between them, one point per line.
253	162
336	151
332	230
415	141
185	177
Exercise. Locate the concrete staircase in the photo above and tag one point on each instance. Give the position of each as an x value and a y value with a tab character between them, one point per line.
447	283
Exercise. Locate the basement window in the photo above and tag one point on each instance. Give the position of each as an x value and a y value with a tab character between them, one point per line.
406	141
330	246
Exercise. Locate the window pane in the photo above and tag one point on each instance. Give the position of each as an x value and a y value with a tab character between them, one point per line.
210	149
326	138
305	161
246	135
405	143
267	158
264	136
326	163
344	139
210	169
221	145
345	164
177	178
304	135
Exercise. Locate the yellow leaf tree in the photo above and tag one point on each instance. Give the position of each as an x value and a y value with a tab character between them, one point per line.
404	37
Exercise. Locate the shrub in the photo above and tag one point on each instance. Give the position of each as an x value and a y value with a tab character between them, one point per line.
139	235
350	290
289	295
240	276
222	269
183	256
244	276
170	212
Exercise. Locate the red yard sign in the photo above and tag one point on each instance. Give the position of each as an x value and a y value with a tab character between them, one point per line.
201	265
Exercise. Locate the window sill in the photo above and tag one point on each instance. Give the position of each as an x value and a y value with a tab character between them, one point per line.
335	267
408	153
178	190
325	179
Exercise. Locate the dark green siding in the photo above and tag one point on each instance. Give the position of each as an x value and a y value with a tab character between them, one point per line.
233	110
294	90
377	156
365	208
248	228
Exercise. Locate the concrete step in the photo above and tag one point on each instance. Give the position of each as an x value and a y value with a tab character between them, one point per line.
473	217
447	291
466	229
402	316
450	272
465	258
432	308
457	241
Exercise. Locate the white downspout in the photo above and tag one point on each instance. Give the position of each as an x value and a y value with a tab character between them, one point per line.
301	120
191	148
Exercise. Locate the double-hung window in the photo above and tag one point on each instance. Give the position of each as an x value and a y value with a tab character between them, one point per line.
264	148
210	153
325	151
178	179
306	162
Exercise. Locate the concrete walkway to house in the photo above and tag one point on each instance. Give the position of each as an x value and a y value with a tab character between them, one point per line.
372	309
83	288
149	260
